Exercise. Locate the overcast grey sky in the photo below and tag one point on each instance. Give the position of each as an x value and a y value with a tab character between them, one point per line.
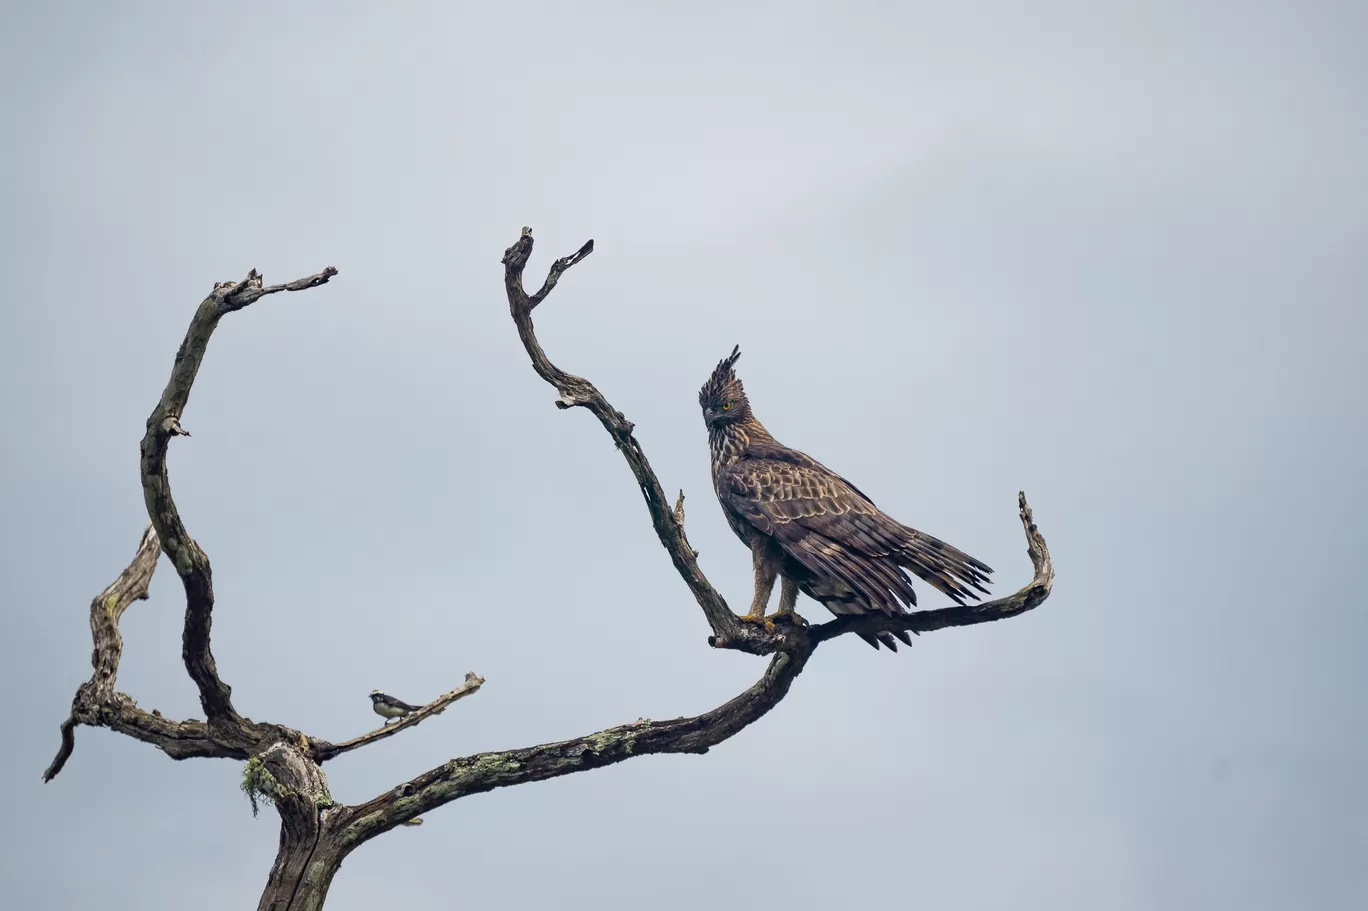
1111	254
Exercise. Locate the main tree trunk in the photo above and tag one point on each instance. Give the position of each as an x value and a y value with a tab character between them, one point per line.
302	873
310	852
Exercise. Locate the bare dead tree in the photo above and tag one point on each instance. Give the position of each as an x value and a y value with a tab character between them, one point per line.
283	765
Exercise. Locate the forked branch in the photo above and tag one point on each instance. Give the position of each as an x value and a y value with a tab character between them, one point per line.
225	733
317	833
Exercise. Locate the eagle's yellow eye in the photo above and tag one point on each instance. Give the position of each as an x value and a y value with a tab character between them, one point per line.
726	406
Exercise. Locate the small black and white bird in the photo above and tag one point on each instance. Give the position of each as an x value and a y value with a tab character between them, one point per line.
390	708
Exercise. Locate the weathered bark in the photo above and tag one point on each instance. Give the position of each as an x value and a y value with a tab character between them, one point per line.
310	853
577	392
301	875
190	561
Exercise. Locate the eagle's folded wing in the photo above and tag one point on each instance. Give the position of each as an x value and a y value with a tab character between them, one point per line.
824	524
839	535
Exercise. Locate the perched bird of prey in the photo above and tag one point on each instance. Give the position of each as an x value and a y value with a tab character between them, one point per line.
812	528
390	708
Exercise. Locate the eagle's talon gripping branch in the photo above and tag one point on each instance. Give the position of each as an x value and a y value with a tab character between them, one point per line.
759	620
788	618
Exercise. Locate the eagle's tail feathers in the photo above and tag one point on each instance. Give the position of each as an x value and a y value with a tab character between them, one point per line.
948	569
874	639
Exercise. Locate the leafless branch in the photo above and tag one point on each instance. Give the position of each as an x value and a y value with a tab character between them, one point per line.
190	561
225	733
284	765
322	752
558	267
97	703
105	610
487	771
574	391
1026	598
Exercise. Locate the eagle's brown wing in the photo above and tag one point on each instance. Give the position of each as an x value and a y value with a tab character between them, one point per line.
839	535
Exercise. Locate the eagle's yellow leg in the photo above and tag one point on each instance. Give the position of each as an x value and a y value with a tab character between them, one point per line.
765	574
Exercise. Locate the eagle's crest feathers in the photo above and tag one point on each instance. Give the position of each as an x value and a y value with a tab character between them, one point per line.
723	385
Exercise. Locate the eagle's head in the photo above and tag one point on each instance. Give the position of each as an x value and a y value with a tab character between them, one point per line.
722	397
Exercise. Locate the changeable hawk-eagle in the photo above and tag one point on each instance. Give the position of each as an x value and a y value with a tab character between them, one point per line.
814	529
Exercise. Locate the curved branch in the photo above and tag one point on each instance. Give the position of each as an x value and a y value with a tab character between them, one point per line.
1026	598
105	611
98	704
191	739
487	771
191	563
322	751
225	733
576	391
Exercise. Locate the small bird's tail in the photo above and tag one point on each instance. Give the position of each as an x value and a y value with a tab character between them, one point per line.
947	569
